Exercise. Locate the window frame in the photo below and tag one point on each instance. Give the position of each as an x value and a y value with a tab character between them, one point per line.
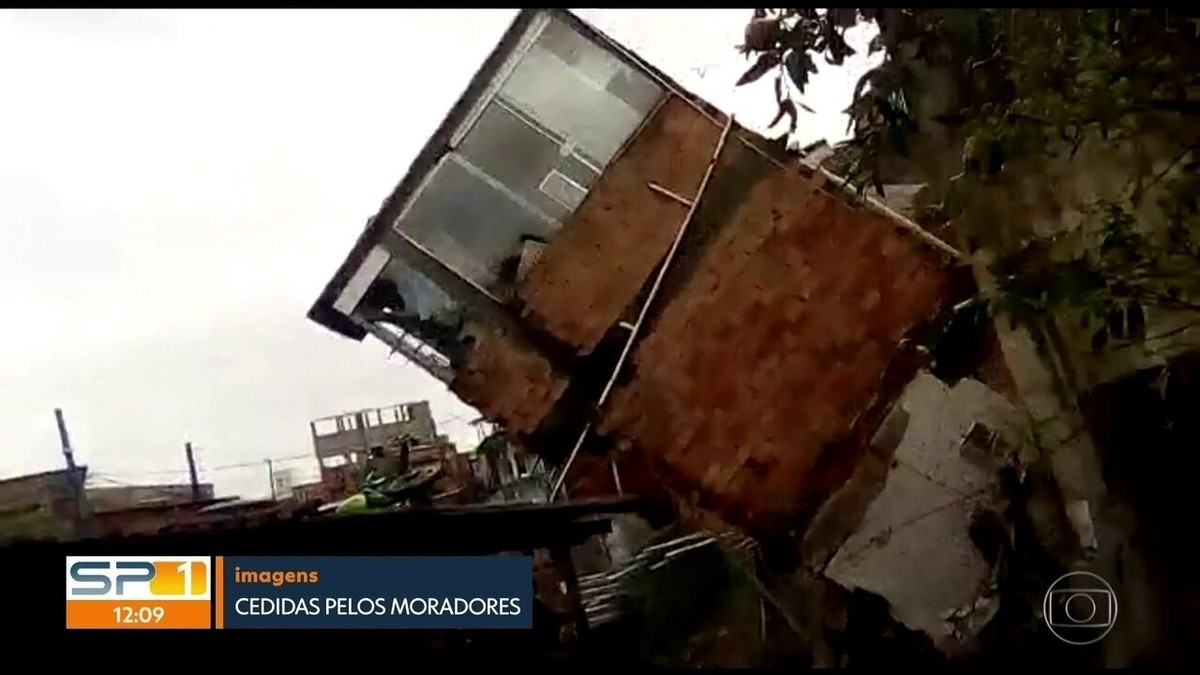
528	40
476	172
406	248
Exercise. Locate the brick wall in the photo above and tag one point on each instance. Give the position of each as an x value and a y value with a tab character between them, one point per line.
773	349
142	520
598	263
508	381
774	346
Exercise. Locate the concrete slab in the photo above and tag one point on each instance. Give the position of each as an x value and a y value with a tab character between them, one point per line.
913	547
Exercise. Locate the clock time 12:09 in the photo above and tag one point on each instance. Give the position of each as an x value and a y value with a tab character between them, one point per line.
136	615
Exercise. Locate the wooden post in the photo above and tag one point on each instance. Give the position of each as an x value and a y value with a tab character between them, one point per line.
405	453
271	477
191	462
81	502
565	567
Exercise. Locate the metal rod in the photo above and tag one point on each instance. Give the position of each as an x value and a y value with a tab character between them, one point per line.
637	326
766	594
690	547
655	187
695	536
900	219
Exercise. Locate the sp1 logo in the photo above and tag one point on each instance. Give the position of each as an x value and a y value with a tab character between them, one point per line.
135	578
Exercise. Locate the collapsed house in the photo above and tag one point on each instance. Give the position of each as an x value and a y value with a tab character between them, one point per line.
633	285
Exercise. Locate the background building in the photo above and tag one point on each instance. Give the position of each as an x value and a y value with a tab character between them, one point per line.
349	445
41	505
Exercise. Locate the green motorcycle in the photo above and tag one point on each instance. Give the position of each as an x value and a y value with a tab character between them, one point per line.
381	492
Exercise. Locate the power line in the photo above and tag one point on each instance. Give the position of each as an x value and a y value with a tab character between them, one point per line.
243	465
452	418
207	470
107	479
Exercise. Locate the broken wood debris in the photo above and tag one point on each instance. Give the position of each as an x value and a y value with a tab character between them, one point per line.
655	187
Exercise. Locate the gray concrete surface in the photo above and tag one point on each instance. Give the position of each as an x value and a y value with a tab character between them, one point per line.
913	547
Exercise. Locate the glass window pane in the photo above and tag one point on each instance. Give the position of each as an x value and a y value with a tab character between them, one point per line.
639	92
563	42
470	224
402	299
563	190
574	168
580	92
516	153
421	296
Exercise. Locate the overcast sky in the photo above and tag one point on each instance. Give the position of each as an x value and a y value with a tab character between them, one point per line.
176	187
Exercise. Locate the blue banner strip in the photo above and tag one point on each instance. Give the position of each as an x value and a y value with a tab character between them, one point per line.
493	592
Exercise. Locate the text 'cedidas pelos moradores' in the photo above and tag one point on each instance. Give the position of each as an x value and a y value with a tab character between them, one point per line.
378	606
374	592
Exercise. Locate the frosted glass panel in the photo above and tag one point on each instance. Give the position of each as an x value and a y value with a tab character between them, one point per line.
528	160
580	92
470	224
520	157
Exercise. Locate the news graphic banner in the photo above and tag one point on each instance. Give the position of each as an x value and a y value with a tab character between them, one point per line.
202	592
139	592
360	592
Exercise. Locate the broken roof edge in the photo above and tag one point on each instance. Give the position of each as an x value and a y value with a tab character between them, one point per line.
816	157
79	469
322	311
438	144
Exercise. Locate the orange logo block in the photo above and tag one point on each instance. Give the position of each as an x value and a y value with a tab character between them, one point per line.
187	578
138	592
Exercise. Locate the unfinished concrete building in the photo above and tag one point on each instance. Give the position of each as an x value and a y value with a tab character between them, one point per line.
579	214
42	505
348	444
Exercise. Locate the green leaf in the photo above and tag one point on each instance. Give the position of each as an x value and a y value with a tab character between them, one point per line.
761	67
789	109
799	64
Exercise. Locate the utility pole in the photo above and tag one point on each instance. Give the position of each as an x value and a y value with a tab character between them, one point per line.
271	477
73	470
191	461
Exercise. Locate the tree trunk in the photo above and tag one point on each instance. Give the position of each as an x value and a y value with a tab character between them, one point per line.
1102	527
